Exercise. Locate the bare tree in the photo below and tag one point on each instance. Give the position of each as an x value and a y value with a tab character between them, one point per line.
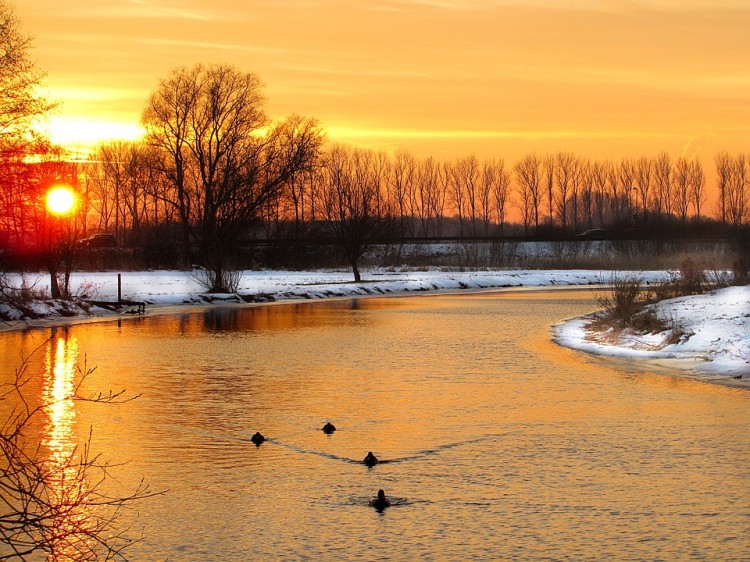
441	196
724	172
616	194
348	199
549	182
682	187
20	80
564	170
484	198
497	181
737	192
528	175
627	193
428	178
57	504
663	180
465	184
123	181
599	173
588	190
385	207
643	175
577	180
224	163
697	187
402	176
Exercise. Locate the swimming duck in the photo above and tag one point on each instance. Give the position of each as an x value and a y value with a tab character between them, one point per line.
257	438
381	502
329	428
370	459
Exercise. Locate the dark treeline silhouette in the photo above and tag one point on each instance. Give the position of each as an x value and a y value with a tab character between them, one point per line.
214	179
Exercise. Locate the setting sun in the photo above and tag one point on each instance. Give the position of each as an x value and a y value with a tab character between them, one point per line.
60	200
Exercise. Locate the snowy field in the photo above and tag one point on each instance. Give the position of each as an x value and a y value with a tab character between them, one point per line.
716	326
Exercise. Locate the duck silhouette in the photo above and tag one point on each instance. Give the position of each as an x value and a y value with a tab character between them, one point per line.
380	502
328	428
370	459
257	438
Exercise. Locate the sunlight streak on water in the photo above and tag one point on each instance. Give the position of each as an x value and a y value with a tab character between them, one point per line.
66	486
59	374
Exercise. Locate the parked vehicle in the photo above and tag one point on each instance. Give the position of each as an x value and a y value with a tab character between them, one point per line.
99	240
592	234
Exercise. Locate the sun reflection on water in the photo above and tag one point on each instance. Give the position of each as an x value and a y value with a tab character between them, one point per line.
66	481
59	387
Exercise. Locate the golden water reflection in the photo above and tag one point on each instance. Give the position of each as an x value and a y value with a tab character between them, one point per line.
59	387
505	445
67	487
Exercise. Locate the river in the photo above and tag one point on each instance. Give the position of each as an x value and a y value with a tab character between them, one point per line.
498	443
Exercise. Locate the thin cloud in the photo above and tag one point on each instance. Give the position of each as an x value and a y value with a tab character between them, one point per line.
151	9
359	133
362	72
605	6
209	45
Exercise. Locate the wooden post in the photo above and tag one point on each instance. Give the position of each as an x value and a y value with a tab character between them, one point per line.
119	288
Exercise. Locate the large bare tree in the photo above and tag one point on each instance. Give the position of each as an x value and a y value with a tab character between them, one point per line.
223	158
20	79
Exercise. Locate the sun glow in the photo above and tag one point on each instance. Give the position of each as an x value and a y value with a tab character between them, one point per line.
60	200
87	133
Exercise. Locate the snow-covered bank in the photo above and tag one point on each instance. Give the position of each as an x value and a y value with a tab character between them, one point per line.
713	330
179	287
716	325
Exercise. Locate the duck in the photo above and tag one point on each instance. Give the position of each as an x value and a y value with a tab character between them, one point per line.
329	428
381	502
370	459
257	438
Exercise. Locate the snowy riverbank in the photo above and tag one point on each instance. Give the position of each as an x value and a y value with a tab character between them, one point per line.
713	333
716	326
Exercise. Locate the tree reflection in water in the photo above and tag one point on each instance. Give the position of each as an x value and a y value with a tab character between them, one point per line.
54	498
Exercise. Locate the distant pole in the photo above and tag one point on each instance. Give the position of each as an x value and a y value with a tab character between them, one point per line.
119	288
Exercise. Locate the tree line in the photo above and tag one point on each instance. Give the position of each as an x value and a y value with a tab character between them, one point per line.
214	173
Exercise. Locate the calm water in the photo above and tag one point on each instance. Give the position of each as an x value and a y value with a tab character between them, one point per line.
502	445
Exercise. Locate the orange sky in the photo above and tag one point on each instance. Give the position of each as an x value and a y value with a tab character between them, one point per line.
603	78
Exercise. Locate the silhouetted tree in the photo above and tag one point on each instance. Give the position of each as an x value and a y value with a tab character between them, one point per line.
348	199
643	174
223	159
724	172
549	183
497	180
56	504
682	187
564	170
697	186
663	179
737	198
529	176
20	80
